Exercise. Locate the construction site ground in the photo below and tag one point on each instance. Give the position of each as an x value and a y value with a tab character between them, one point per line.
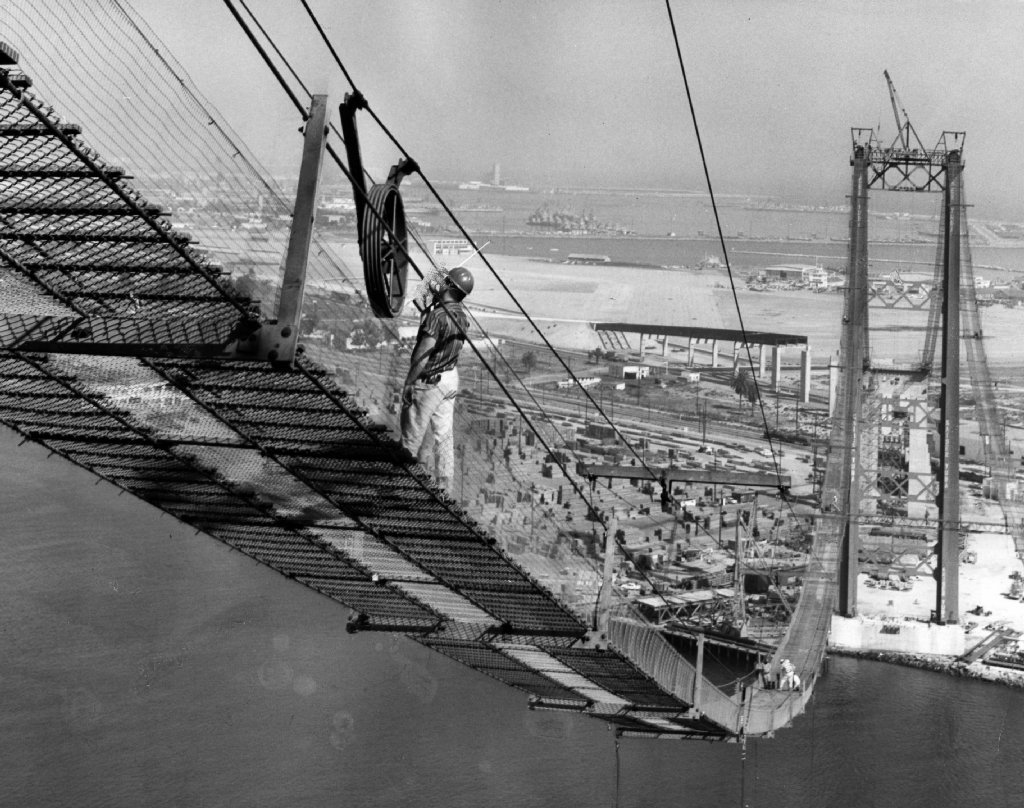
593	294
986	608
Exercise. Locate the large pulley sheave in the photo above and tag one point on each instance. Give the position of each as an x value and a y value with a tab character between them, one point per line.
384	248
380	217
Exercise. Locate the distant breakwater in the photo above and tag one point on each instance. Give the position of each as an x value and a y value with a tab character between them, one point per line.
937	664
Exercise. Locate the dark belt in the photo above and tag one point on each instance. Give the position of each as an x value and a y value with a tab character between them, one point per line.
434	378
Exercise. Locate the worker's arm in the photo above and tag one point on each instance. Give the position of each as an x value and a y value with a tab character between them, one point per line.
418	362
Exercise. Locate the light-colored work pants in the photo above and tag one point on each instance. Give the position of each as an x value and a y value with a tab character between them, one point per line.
433	405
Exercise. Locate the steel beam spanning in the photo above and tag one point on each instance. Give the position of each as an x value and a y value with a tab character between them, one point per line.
909	522
715	611
900	168
699	332
907	170
900	300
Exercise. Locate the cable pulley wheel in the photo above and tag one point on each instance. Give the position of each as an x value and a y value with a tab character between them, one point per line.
383	244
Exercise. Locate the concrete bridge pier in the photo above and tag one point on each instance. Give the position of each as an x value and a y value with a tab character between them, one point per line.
805	375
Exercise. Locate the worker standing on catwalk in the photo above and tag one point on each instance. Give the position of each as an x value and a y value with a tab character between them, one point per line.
428	395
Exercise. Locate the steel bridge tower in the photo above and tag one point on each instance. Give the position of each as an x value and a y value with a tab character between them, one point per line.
905	165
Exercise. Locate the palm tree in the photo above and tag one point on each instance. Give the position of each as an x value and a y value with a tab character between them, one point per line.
744	386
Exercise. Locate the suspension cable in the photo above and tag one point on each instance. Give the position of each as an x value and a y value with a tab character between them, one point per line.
617	768
721	236
743	771
725	253
333	128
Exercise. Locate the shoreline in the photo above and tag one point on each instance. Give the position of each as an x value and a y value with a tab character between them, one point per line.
937	663
835	242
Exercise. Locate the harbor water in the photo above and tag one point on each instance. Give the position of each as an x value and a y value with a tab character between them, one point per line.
145	664
673	229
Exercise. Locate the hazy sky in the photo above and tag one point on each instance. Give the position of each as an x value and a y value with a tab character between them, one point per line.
590	92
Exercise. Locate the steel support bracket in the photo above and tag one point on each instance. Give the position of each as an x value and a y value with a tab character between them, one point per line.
278	340
597	639
269	342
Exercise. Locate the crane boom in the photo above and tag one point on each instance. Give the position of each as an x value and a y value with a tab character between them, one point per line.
896	106
903	125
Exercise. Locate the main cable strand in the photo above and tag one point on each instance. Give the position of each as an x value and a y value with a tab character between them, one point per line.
718	226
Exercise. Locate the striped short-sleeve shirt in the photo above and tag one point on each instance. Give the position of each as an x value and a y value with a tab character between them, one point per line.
447	324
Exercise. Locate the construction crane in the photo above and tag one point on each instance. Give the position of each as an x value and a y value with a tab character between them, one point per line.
903	126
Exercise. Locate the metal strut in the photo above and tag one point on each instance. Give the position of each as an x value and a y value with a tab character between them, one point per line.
277	341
